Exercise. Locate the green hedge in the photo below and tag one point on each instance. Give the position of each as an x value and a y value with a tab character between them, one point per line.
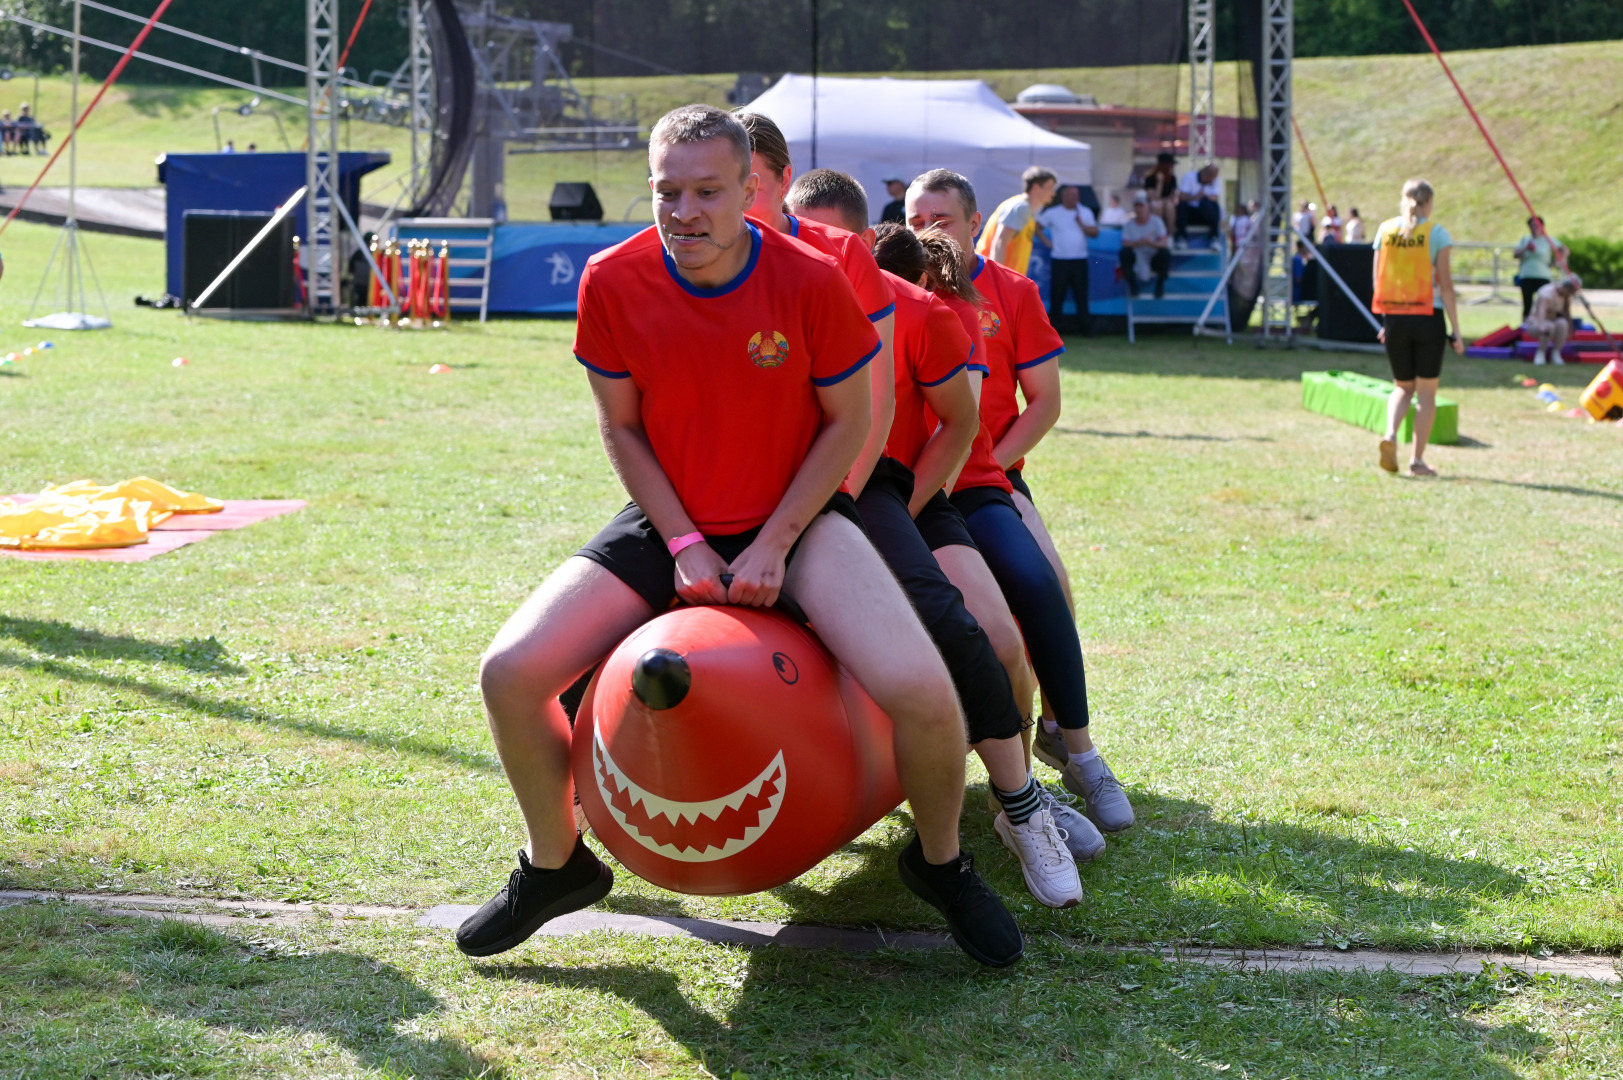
1599	262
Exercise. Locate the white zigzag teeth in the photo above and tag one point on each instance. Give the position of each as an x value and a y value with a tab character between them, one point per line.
673	809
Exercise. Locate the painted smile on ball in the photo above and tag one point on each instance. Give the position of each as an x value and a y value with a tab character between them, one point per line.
699	831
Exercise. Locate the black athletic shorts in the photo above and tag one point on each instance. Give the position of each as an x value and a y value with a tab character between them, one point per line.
972	499
977	674
631	549
1019	483
942	525
1415	345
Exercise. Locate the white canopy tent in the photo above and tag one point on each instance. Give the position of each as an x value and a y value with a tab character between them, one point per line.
879	128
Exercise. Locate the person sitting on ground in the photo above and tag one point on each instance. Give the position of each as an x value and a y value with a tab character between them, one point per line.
1008	237
734	468
1550	319
1161	185
1022	354
1144	253
1353	232
1113	214
1199	196
1304	219
932	351
895	211
1413	290
1069	225
1330	226
1538	252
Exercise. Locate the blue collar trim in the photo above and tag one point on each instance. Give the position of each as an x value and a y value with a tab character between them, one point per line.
720	290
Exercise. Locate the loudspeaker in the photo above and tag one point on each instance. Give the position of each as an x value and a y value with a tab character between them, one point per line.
574	202
212	238
1339	320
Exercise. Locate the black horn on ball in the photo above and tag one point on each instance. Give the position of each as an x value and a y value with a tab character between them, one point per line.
661	679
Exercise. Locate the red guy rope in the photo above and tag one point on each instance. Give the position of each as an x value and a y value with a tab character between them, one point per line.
1303	144
106	85
350	44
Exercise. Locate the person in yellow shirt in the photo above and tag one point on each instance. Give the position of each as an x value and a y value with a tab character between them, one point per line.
1008	237
1413	289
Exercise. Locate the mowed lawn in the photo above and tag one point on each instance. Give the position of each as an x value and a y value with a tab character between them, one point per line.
1351	709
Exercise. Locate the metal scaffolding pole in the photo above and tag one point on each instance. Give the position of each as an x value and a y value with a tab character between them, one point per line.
1278	45
1202	121
422	100
324	271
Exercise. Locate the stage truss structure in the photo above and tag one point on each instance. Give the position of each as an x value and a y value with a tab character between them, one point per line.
1278	45
1202	83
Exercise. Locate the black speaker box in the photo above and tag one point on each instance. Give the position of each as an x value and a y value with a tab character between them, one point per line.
1339	320
574	202
264	281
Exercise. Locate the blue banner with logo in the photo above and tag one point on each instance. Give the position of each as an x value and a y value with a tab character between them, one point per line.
536	266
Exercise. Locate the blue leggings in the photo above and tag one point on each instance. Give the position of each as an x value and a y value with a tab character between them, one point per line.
1036	598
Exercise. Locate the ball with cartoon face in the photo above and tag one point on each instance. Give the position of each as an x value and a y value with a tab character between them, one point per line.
721	750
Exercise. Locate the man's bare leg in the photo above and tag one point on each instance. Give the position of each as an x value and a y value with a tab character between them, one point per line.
864	618
971	576
572	621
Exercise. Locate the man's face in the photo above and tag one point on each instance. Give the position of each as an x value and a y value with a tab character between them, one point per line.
699	199
1069	196
896	188
943	210
1141	212
1044	192
769	196
827	215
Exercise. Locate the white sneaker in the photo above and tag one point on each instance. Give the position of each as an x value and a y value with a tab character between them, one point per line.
1538	358
1082	838
1047	866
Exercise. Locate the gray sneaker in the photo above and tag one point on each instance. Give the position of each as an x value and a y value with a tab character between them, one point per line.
1104	801
1082	838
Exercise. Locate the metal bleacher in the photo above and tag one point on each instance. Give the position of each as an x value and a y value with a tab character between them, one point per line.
1197	270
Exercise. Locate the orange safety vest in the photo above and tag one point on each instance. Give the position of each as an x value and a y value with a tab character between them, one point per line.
1403	271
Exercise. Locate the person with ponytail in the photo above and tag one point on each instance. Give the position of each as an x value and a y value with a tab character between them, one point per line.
1413	291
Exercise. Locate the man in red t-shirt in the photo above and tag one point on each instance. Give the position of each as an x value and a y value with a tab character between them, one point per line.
769	157
725	360
933	351
1022	350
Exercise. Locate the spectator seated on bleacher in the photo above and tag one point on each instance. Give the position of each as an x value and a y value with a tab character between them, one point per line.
30	137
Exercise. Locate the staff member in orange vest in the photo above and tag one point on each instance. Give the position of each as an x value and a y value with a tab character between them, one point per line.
1413	288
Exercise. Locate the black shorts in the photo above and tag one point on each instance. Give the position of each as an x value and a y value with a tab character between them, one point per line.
977	674
1415	345
972	499
631	549
942	525
1019	483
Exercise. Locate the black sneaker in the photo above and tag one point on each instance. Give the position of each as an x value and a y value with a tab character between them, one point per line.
979	922
531	897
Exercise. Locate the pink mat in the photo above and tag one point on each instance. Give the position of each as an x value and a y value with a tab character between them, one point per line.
177	532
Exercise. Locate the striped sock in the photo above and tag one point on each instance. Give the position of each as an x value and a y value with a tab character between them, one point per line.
1019	805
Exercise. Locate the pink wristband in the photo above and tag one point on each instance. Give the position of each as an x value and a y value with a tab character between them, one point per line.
677	544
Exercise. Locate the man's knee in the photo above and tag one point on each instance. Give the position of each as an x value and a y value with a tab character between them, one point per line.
918	693
512	674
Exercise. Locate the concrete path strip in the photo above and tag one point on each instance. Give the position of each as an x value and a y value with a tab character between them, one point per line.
728	932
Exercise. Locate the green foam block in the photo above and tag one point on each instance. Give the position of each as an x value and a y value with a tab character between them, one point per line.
1359	399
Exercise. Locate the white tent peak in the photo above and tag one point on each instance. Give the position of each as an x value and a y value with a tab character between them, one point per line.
875	128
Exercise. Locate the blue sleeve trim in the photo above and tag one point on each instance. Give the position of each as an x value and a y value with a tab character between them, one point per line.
1040	360
945	377
848	372
982	368
888	309
605	372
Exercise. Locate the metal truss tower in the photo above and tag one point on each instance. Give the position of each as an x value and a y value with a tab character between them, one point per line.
421	90
1278	45
1202	120
322	91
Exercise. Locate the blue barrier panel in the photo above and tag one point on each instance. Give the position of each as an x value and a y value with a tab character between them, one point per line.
258	181
1106	294
536	266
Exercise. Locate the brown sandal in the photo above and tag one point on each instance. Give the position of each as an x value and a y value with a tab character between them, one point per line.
1389	455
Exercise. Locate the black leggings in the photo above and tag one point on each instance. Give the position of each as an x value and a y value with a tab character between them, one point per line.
1036	598
977	674
1530	285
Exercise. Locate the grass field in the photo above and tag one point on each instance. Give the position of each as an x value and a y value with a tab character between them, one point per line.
1369	122
1351	709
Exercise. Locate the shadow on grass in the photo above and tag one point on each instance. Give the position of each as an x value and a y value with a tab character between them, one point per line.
237	712
62	639
1552	489
1142	434
94	995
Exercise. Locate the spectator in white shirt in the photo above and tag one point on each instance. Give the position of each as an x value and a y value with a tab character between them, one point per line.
1069	225
1114	214
1199	202
1304	220
1330	226
1242	223
1144	253
1353	231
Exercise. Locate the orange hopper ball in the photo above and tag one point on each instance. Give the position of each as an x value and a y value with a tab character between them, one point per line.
721	751
439	369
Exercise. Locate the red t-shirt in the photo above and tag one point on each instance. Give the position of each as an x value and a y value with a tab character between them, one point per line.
847	249
728	375
1018	336
931	347
981	469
